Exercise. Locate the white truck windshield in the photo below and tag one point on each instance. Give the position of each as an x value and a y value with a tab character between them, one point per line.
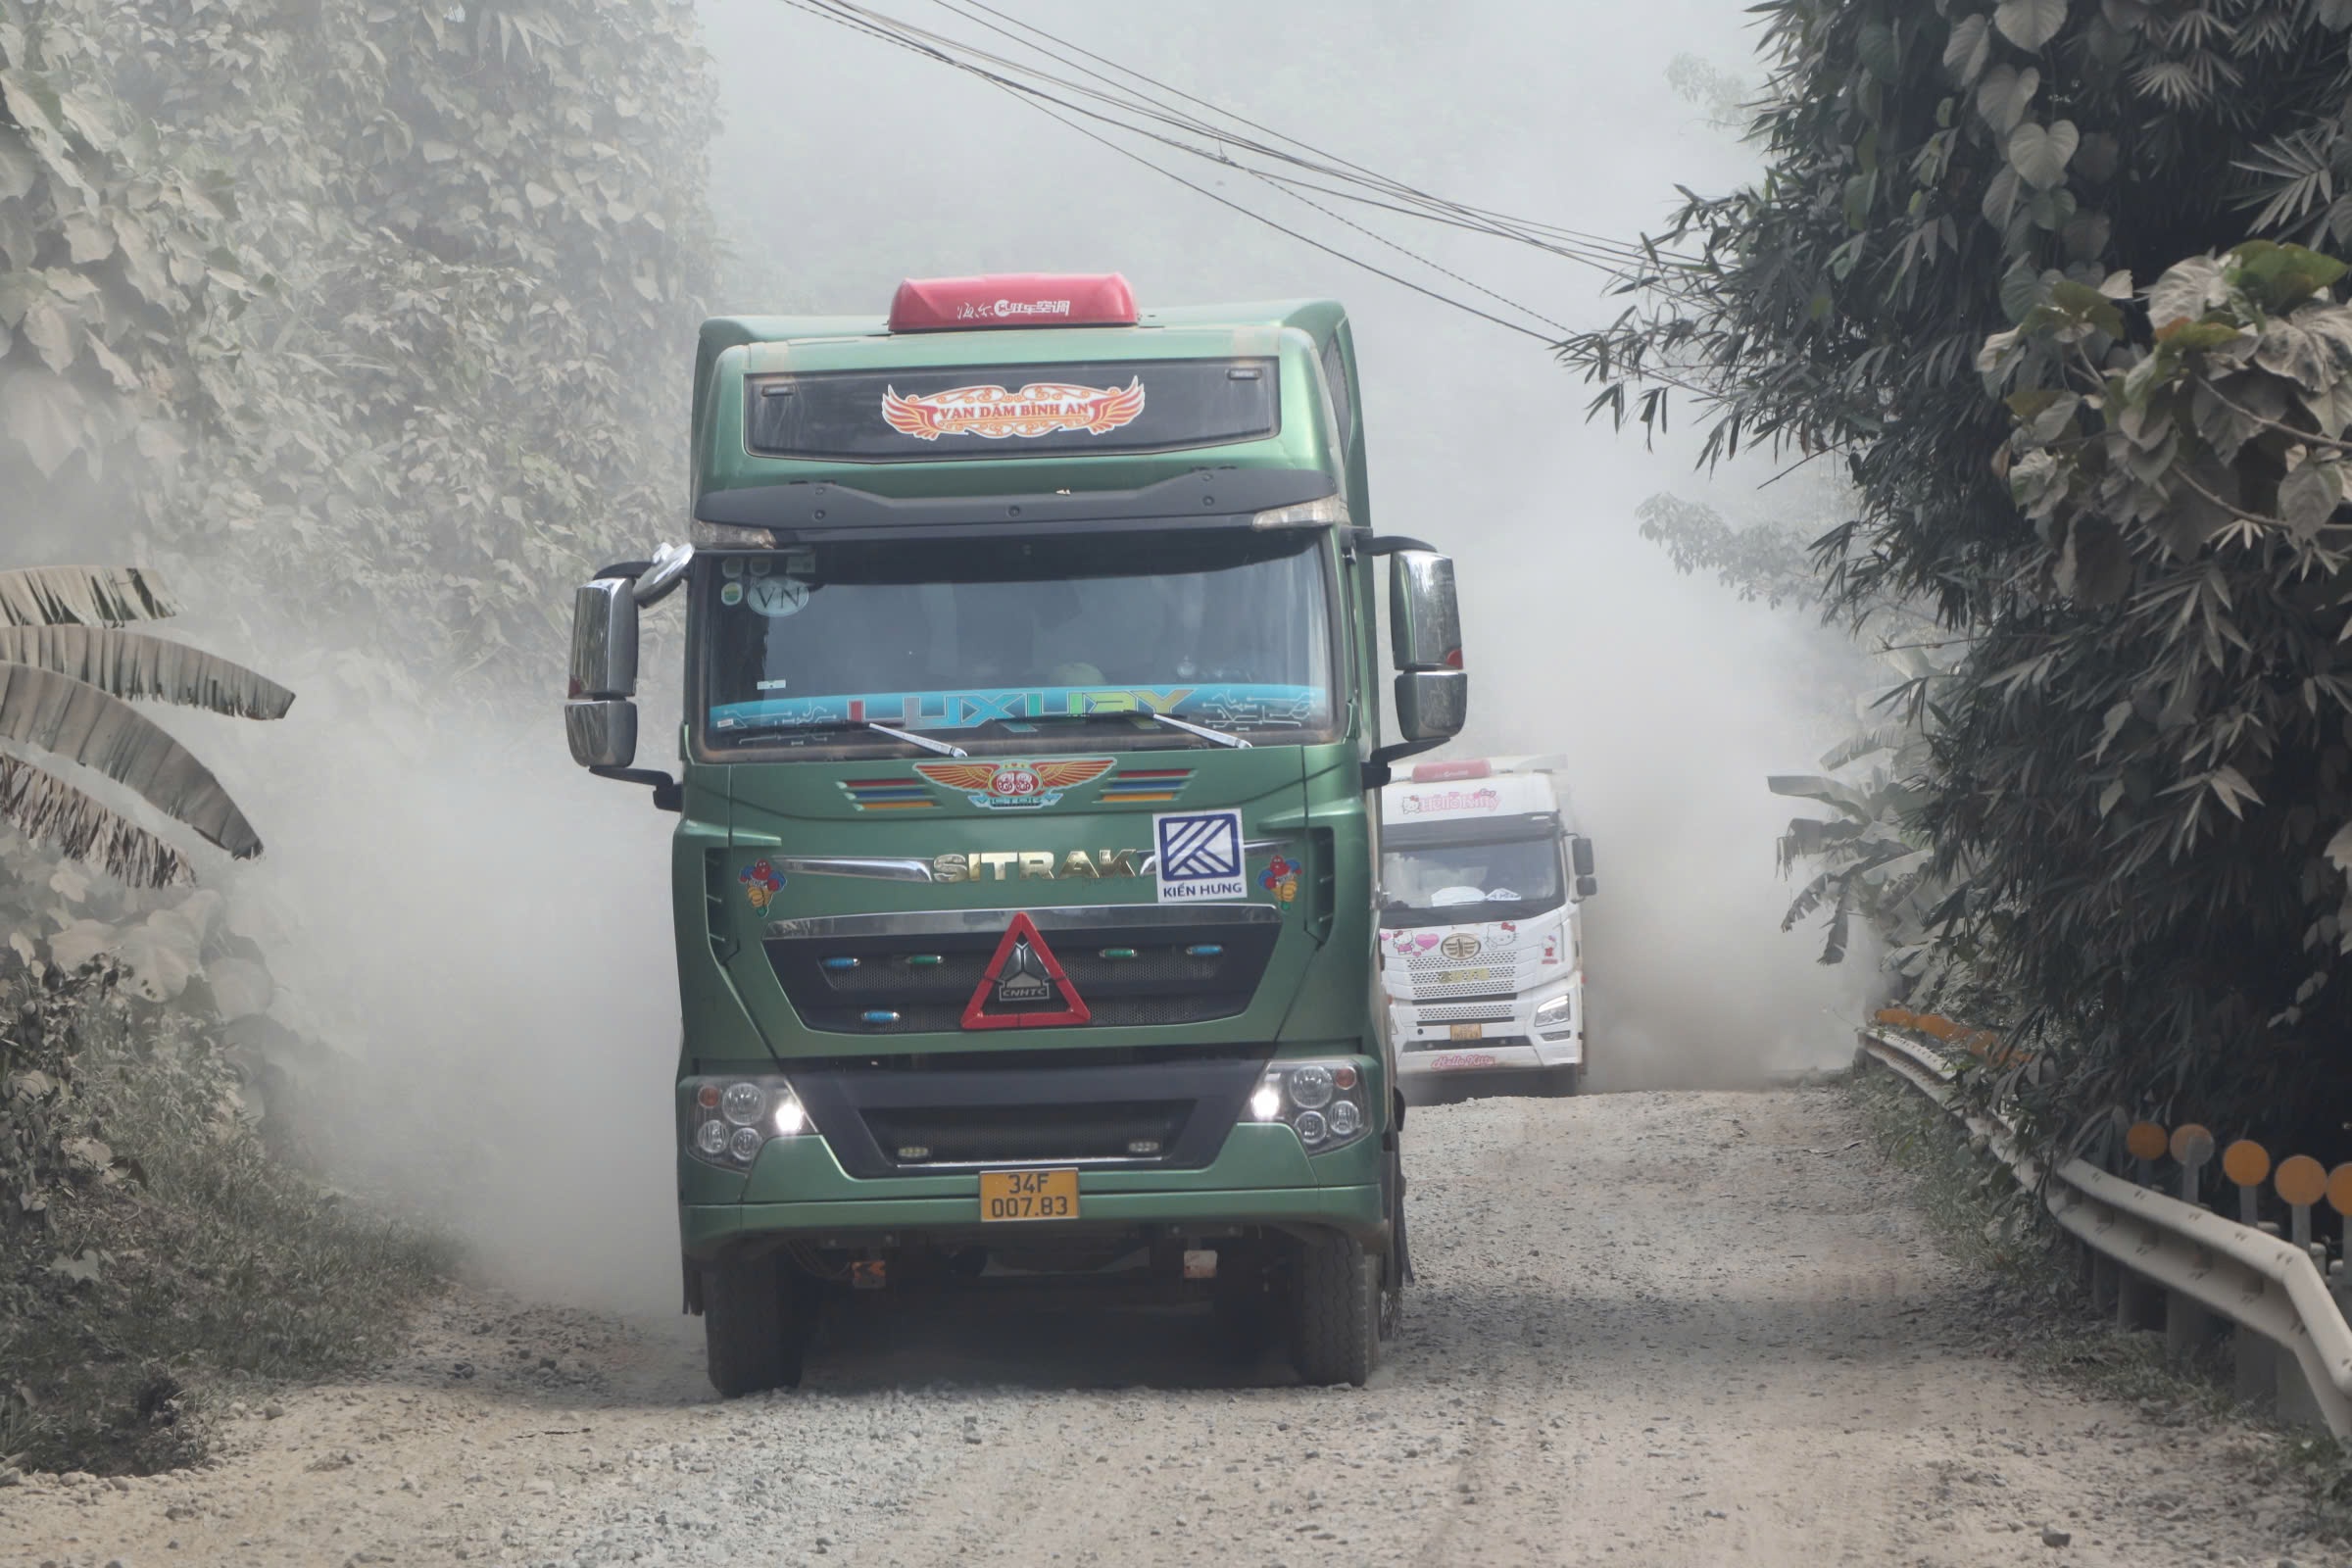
998	638
1462	884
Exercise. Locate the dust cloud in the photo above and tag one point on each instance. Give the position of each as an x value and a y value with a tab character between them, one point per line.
1671	699
487	930
480	933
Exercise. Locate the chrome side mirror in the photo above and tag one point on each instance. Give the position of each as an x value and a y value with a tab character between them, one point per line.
604	639
603	732
1424	625
599	719
1432	704
1425	636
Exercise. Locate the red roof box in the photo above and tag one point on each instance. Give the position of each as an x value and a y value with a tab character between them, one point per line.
1440	772
1012	299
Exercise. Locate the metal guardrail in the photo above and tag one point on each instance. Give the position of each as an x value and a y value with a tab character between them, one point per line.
2162	1264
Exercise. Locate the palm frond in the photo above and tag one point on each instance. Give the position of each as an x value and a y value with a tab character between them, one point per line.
130	663
2296	175
71	596
76	720
49	810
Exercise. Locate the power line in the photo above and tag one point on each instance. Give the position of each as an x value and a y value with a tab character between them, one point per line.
1330	159
1120	107
825	10
1609	256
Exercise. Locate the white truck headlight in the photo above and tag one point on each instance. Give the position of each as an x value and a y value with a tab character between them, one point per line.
1553	1014
730	1121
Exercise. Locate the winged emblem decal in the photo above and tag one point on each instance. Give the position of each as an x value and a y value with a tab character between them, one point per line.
1015	785
1041	408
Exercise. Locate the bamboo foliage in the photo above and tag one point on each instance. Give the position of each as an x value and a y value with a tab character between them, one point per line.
80	596
131	664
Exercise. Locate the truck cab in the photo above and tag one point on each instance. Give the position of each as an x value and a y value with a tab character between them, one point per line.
1023	868
1482	880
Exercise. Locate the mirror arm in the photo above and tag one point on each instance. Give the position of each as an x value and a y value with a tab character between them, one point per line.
1379	767
1383	544
670	794
622	569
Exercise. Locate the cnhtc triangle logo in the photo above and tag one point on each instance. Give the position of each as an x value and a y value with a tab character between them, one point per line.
1199	857
1025	977
1022	980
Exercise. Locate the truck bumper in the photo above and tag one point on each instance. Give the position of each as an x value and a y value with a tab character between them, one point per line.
797	1191
1445	1057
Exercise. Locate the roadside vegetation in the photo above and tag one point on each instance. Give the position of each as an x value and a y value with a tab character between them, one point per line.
2054	290
359	325
152	1248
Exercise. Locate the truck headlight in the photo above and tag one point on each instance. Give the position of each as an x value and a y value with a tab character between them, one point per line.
1555	1013
730	1121
1323	1102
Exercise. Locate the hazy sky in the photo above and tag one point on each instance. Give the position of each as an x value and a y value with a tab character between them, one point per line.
847	164
535	900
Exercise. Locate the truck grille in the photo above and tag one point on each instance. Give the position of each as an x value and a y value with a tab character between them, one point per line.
1484	1012
1482	977
1167	1109
893	974
1142	1131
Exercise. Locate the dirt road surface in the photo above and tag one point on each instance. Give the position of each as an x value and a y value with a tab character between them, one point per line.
1649	1329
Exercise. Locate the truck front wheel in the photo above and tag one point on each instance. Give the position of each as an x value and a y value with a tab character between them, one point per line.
1336	1310
753	1325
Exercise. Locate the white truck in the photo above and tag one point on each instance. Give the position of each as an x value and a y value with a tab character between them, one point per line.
1482	953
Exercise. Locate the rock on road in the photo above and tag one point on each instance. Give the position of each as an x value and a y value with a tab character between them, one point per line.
1649	1329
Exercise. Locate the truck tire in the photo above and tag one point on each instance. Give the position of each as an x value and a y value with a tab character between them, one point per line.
1561	1083
752	1337
1336	1310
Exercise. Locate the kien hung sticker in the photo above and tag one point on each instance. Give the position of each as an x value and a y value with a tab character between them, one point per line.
1041	408
1199	855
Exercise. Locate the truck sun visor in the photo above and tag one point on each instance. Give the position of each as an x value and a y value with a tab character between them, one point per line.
1011	411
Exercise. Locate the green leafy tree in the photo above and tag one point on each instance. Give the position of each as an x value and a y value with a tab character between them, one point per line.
367	317
1995	268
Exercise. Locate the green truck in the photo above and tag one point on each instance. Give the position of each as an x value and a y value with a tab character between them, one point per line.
1023	872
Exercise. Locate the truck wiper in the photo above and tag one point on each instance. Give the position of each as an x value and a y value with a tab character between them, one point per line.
912	739
1202	730
942	747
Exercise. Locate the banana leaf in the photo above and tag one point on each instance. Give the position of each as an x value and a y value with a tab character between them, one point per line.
76	720
68	596
130	663
52	812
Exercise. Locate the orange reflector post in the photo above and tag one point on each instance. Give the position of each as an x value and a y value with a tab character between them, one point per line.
2192	1146
2339	1190
2246	1162
2302	1180
2146	1140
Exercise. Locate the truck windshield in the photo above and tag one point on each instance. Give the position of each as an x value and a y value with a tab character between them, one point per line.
1016	640
1463	884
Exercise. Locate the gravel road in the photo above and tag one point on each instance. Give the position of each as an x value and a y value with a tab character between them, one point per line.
1651	1329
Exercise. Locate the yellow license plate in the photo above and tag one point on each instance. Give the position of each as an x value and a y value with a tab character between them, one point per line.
1463	977
1028	1195
1466	1031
